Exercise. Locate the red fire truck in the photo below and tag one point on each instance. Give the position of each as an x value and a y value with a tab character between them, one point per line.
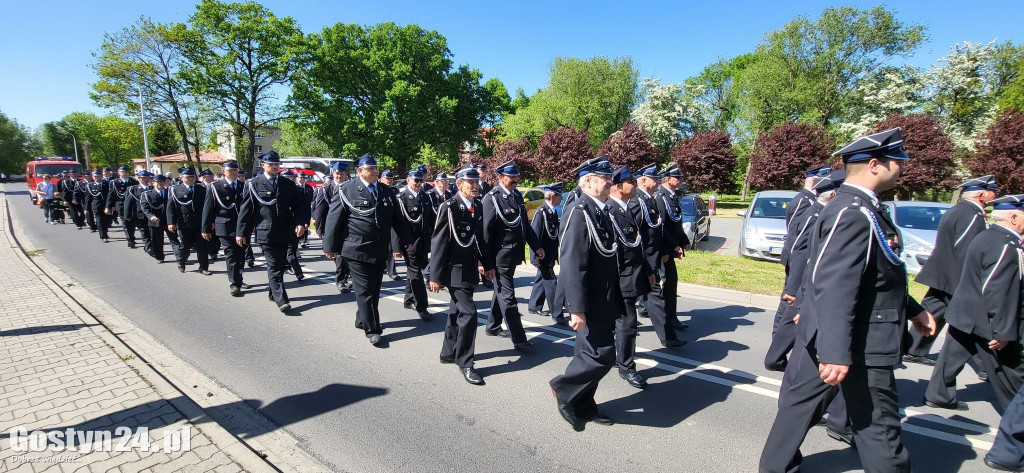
53	166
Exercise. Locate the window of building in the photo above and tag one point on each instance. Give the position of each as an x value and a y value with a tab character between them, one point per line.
259	149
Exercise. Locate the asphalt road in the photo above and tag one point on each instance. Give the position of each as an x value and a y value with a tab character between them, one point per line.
359	408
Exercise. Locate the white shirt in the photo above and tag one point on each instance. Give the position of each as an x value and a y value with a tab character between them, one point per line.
1012	231
600	204
869	192
367	184
469	205
415	195
977	205
503	189
647	194
548	204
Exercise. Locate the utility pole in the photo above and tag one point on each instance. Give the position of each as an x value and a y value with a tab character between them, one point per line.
145	140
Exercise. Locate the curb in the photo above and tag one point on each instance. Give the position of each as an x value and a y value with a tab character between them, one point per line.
716	294
184	387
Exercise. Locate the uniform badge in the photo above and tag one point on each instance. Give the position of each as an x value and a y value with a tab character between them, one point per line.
463	234
415	208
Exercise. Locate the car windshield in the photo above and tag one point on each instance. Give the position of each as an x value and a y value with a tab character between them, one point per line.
769	207
919	218
54	169
689	207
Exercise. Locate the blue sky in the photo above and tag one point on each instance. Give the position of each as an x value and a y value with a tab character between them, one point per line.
47	45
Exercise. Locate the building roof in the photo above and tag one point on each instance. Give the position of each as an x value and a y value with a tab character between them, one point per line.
205	156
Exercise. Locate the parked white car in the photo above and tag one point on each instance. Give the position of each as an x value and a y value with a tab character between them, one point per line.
764	225
919	224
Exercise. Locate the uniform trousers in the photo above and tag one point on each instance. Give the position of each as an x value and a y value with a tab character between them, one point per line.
1003	367
156	237
233	258
415	287
366	281
460	328
657	302
545	284
783	338
102	223
277	261
129	229
340	270
625	337
872	404
593	356
77	215
89	218
936	302
504	306
192	240
293	255
1008	448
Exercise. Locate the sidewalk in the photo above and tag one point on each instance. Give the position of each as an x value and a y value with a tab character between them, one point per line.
61	369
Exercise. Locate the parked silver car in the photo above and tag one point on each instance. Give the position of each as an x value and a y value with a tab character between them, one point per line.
764	225
919	224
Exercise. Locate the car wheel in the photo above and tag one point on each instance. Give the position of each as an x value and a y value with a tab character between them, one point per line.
707	235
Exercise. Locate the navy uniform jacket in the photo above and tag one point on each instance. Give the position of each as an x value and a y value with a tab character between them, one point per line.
68	187
800	248
97	195
856	305
154	204
116	194
133	202
359	225
571	197
82	193
185	206
276	207
308	193
505	230
418	212
322	203
220	210
652	227
672	217
987	300
633	267
437	196
797	211
455	247
545	226
957	228
590	273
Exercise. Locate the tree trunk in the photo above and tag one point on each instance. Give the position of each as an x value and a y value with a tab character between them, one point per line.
746	184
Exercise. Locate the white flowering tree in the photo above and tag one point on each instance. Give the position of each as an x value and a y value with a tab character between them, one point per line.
893	91
960	91
670	112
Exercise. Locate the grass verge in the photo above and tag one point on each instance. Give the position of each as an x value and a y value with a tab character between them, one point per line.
744	274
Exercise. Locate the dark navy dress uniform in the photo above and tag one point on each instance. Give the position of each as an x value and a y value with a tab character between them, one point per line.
941	273
506	235
98	190
672	215
185	211
70	187
801	213
634	281
985	306
358	227
657	243
220	212
545	284
270	208
304	206
456	253
418	212
321	206
116	200
154	204
854	313
133	209
588	255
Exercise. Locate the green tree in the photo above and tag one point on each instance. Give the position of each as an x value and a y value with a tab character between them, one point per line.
56	140
596	95
240	54
163	138
112	139
808	70
17	146
147	56
961	91
716	84
389	90
297	139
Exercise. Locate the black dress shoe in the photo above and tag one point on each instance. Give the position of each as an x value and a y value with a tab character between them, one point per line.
845	438
919	360
680	325
246	286
999	466
523	346
956	406
300	276
545	313
106	240
205	272
570	416
424	315
643	314
447	360
633	378
376	340
93	231
181	268
673	343
236	291
533	311
560	320
131	244
284	307
472	377
599	419
499	333
250	263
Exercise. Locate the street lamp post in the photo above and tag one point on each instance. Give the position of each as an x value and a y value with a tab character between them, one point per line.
75	141
145	140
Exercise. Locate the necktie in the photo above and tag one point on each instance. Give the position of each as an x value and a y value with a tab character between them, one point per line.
163	193
373	190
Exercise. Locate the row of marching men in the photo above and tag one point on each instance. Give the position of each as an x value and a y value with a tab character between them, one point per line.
842	322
